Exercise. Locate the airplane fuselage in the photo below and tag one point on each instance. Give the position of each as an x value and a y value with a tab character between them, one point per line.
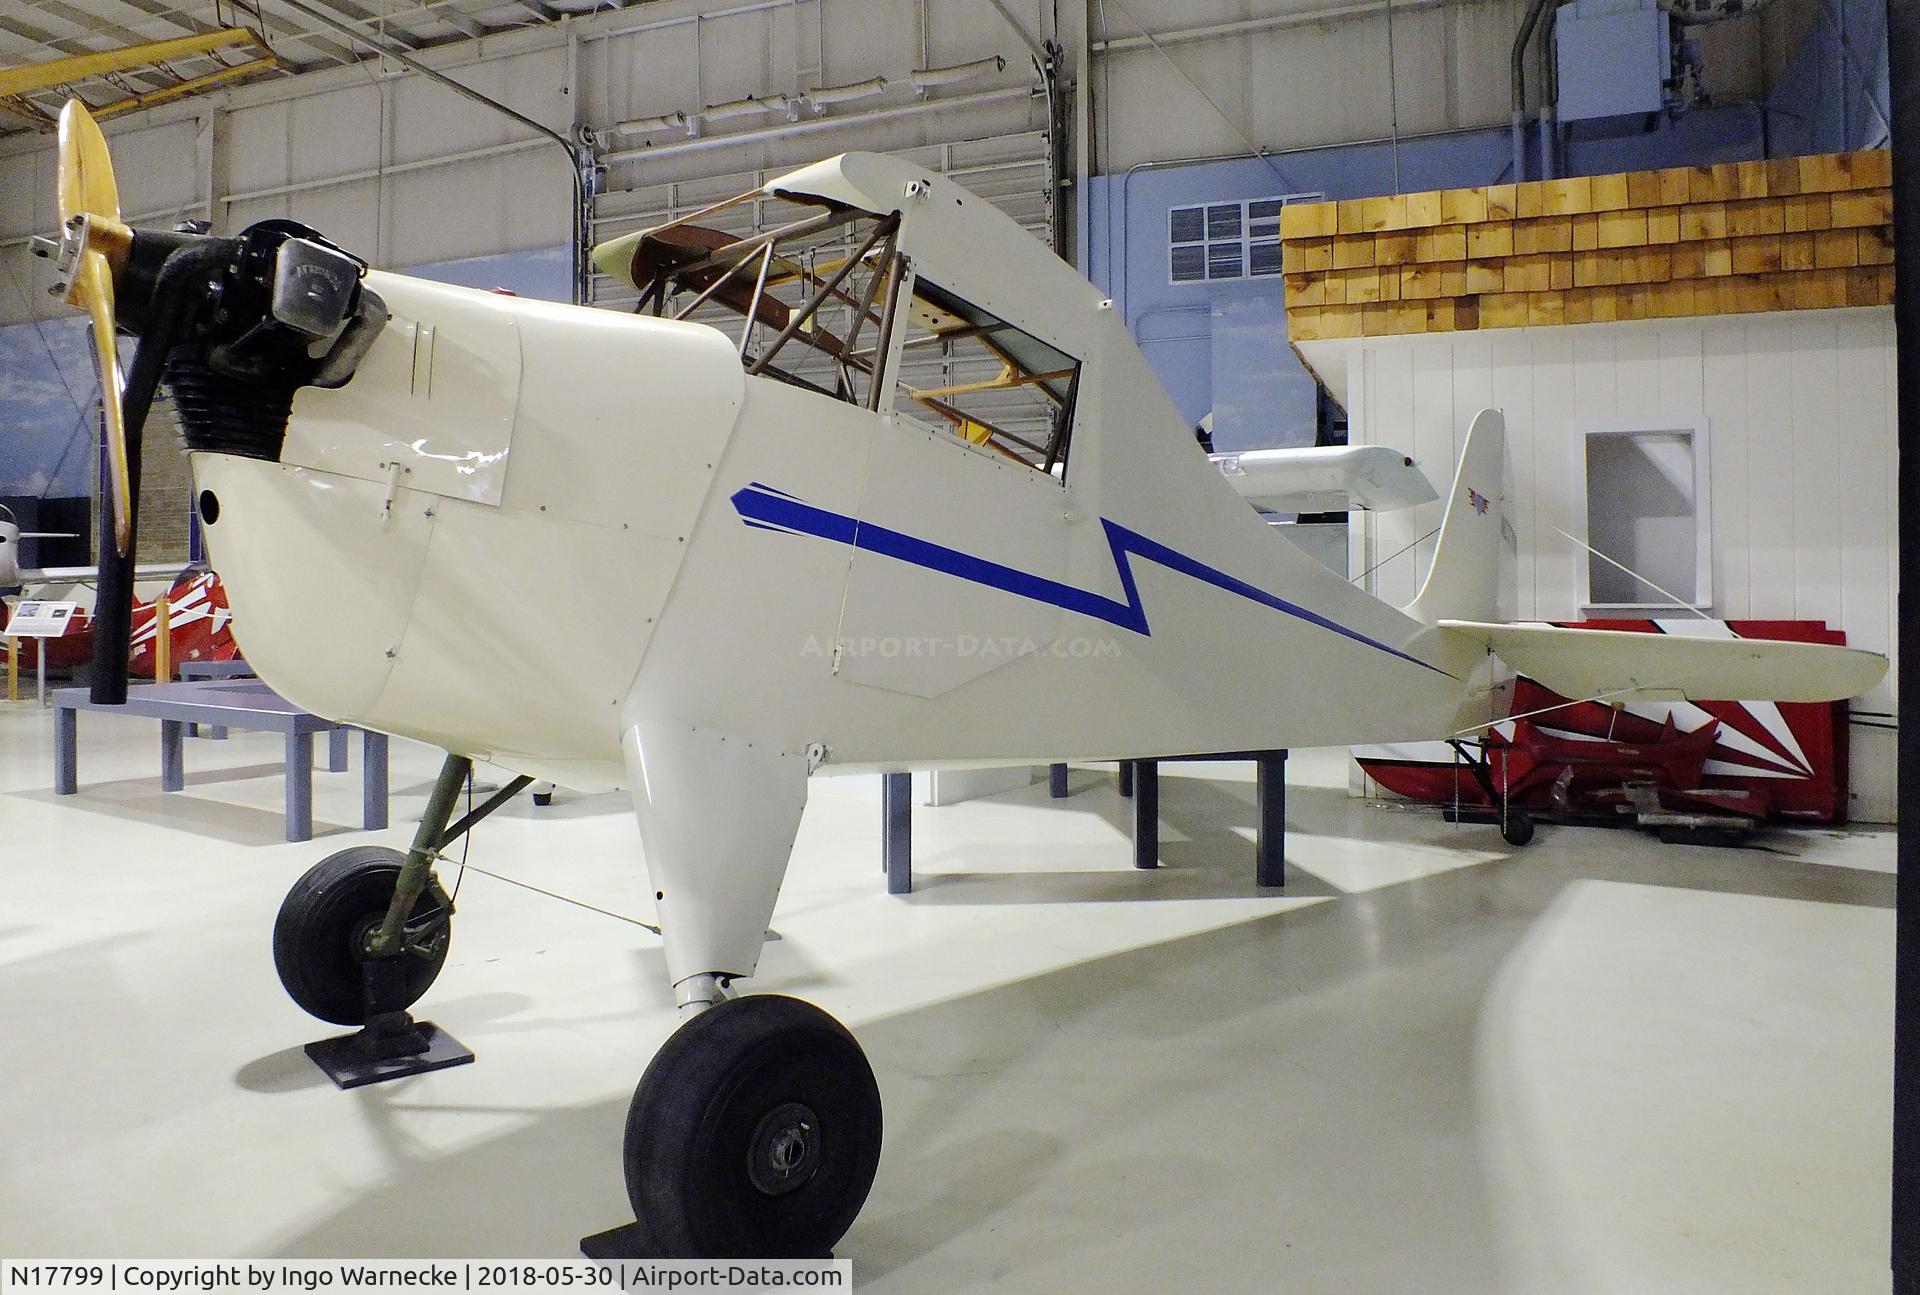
522	523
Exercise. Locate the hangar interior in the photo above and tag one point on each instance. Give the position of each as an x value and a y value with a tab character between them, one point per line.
1177	947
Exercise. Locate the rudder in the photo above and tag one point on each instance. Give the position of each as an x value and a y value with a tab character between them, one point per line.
1464	581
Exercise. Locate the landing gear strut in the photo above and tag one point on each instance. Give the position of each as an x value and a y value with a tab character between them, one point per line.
364	933
1516	825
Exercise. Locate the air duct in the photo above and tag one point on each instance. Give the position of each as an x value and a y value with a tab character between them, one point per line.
827	95
926	78
748	107
667	121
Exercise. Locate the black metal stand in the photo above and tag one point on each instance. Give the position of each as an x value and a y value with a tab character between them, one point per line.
391	1045
628	1241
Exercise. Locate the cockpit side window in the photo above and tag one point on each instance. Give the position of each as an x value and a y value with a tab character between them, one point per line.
989	382
804	297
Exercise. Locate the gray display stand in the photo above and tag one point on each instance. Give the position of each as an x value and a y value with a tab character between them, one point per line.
244	703
234	669
1140	783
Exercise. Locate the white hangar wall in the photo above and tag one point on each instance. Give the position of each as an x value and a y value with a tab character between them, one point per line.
1799	408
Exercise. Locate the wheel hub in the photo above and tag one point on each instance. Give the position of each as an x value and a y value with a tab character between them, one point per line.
785	1150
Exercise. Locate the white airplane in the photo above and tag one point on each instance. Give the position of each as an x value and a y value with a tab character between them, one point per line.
925	506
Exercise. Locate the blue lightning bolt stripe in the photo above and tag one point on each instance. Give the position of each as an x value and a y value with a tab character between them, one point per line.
766	508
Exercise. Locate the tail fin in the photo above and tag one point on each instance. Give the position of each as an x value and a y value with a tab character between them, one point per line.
1463	583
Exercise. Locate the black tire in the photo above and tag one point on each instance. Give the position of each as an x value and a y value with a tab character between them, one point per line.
317	938
543	798
1517	828
755	1133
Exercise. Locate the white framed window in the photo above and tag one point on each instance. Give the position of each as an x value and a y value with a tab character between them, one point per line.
1649	510
1212	241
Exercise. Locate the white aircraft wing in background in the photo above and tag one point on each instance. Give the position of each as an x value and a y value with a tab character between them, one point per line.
1327	479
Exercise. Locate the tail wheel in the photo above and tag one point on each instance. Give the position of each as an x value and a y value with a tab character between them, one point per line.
754	1133
319	938
1516	827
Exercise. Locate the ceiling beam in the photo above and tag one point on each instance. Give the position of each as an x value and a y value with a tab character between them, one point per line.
139	54
197	85
353	15
463	23
185	20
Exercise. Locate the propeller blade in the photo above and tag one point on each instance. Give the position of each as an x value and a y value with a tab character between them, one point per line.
89	204
86	186
93	288
87	192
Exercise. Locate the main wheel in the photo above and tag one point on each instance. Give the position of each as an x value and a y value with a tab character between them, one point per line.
755	1133
319	938
1516	828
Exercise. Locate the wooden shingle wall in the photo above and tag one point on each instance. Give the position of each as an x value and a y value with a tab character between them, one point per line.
1802	233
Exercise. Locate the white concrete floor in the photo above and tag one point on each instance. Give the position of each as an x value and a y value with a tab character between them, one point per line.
1432	1063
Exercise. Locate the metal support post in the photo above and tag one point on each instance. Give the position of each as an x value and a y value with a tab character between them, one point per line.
1270	847
373	779
896	811
299	790
162	640
1146	814
66	751
173	763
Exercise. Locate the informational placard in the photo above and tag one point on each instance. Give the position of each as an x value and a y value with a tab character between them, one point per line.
42	619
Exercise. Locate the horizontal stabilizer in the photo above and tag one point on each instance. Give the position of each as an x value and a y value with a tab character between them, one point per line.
1606	663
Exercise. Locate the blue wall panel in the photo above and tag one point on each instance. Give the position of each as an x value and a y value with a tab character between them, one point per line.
545	273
